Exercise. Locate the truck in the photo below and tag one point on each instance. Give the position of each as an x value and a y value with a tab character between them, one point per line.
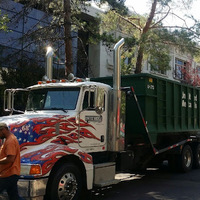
76	135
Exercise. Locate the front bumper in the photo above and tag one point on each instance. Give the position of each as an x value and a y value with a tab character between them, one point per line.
32	189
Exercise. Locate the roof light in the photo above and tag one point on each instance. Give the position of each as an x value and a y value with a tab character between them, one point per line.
79	80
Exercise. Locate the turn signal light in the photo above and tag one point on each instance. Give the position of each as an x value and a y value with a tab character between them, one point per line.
35	169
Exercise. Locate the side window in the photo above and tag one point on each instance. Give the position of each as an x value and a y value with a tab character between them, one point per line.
100	100
88	102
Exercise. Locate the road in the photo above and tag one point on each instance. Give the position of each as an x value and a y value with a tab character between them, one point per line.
154	184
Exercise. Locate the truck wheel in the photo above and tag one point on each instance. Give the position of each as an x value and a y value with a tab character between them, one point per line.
196	153
65	183
186	159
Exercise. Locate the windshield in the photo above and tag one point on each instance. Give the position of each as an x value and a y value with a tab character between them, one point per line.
53	99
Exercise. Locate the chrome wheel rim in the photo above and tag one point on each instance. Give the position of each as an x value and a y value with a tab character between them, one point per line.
198	157
187	158
67	187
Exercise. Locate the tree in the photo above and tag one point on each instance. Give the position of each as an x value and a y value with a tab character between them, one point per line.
64	17
3	27
3	22
153	38
61	19
68	41
25	74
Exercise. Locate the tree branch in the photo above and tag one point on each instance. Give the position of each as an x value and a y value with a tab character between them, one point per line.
130	22
158	22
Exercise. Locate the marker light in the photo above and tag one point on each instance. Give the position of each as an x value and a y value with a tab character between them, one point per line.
35	170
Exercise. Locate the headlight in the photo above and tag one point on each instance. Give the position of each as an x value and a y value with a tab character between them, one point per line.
31	170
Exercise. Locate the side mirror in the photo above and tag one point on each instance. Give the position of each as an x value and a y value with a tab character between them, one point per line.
99	100
99	110
8	100
11	98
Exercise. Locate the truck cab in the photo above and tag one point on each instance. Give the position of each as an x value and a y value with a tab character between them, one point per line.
62	120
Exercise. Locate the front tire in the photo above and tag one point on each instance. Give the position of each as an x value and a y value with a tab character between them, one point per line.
65	183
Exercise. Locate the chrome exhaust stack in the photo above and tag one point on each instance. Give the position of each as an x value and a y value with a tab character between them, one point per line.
49	64
117	94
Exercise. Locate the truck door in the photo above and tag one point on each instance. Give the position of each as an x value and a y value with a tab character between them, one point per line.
93	126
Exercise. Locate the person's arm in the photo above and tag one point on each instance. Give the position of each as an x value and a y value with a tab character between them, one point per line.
8	159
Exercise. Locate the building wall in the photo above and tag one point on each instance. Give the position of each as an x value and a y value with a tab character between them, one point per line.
178	63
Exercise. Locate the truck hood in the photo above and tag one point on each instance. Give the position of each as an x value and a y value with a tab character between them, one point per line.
37	128
41	137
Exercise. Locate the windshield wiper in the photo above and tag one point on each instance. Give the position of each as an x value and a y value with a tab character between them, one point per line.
31	109
60	109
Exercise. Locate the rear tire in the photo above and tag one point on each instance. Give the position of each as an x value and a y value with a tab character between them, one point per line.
182	162
196	153
186	159
65	183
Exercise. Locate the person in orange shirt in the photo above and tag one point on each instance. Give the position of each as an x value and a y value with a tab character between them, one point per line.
9	163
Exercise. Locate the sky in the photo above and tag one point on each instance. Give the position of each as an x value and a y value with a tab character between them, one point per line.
142	7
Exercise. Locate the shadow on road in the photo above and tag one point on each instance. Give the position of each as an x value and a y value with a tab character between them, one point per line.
152	184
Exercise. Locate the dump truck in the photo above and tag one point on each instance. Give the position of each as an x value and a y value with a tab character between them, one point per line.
76	135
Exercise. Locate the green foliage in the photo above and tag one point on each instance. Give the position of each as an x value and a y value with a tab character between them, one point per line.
118	6
152	39
55	11
2	88
24	75
164	2
184	41
3	22
159	60
153	44
128	56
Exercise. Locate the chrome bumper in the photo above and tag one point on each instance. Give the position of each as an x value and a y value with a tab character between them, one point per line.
32	189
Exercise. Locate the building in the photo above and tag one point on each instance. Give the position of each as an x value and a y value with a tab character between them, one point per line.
100	58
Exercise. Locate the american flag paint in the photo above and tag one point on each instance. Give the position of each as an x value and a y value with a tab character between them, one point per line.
41	142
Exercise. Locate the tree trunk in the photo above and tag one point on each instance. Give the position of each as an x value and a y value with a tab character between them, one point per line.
68	38
139	60
143	35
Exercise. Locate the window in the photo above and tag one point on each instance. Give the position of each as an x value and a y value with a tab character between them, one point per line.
180	69
198	70
88	103
53	99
